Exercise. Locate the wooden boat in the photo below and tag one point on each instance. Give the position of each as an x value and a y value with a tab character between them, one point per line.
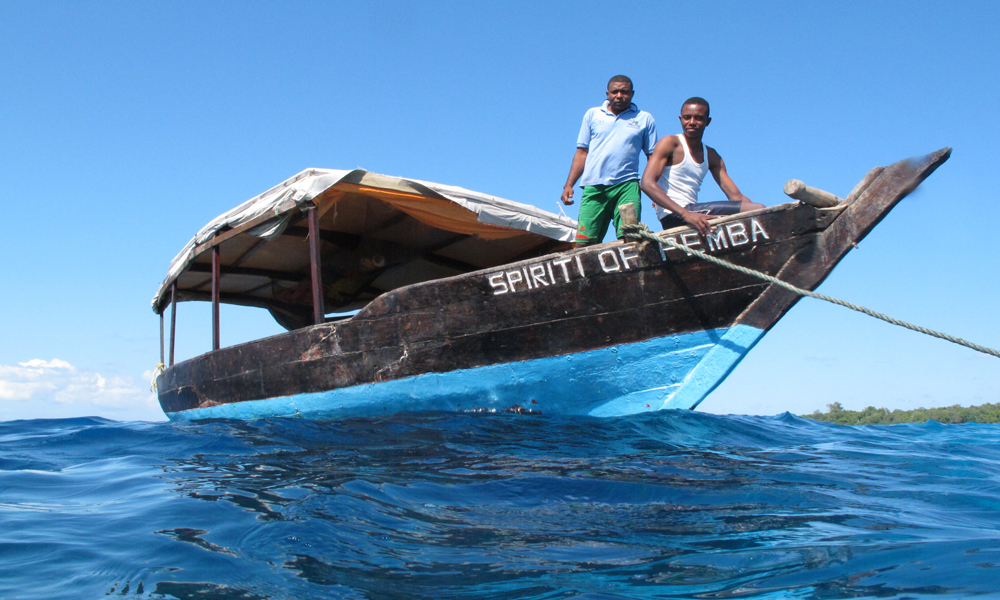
469	302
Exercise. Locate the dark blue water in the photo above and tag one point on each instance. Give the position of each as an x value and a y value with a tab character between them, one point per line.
661	505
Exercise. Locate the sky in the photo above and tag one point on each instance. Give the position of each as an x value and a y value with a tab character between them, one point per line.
126	126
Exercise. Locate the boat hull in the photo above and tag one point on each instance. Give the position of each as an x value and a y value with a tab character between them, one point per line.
606	330
669	372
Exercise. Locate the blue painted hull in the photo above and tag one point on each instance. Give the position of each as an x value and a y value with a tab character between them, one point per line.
606	330
669	372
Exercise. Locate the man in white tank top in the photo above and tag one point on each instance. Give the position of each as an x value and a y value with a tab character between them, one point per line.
676	169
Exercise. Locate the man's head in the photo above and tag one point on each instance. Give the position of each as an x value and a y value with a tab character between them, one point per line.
694	117
620	94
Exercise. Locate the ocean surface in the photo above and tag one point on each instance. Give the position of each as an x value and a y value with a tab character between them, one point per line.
675	504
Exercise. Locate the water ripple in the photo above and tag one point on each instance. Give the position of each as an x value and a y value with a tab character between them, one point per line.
664	505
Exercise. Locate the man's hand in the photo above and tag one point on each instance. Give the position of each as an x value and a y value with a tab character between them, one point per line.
698	221
575	170
567	195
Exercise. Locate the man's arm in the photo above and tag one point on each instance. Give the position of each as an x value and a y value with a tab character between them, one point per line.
658	161
575	171
718	168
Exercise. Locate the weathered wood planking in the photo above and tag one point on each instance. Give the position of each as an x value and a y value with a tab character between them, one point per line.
559	304
469	321
867	204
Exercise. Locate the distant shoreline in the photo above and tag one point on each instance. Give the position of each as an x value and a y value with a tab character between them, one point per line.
984	413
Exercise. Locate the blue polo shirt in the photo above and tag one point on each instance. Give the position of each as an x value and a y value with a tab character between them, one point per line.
613	143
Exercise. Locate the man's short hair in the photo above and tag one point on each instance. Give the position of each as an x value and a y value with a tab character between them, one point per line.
620	78
699	101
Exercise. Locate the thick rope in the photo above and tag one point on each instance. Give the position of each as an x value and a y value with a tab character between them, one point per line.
641	232
159	369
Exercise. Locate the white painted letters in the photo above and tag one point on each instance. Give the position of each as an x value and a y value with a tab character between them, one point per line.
690	239
737	233
717	239
561	262
755	228
722	237
664	246
499	285
627	253
538	275
512	278
613	266
565	269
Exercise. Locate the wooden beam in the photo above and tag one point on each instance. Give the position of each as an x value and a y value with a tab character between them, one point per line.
208	280
220	237
627	213
257	246
347	241
216	276
244	300
161	339
228	270
450	263
314	266
173	319
393	220
257	289
810	195
447	242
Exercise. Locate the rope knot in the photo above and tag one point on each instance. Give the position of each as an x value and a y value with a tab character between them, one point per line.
638	232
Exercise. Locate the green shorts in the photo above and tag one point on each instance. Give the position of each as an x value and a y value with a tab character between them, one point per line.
599	206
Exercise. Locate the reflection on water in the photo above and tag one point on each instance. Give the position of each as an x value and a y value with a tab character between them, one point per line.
665	505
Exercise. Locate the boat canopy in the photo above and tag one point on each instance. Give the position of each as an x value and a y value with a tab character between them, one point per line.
377	233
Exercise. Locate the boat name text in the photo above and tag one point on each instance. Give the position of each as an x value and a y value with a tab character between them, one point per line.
623	258
561	270
728	235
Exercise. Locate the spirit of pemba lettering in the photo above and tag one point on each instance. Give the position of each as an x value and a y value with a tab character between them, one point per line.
623	258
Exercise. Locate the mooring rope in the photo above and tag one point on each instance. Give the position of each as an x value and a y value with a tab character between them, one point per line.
159	369
641	232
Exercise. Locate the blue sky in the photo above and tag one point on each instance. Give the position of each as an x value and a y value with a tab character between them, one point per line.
126	126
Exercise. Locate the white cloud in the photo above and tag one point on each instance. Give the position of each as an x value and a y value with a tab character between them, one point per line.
40	389
55	363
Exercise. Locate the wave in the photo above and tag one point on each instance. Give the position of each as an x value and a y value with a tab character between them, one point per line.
670	504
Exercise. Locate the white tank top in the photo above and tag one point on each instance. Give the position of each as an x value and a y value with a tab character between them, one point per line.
682	181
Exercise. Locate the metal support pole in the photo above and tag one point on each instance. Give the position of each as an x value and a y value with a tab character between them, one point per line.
161	338
319	311
215	297
173	319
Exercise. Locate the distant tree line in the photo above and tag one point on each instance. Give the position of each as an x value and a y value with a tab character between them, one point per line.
985	413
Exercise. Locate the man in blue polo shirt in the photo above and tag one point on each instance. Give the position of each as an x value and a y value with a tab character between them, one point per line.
607	157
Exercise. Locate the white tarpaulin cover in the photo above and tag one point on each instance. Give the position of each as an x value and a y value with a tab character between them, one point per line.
283	200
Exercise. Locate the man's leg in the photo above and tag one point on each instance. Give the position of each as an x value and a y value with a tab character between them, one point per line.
625	193
596	209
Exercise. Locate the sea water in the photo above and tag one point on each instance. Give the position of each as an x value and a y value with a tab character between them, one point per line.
674	504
